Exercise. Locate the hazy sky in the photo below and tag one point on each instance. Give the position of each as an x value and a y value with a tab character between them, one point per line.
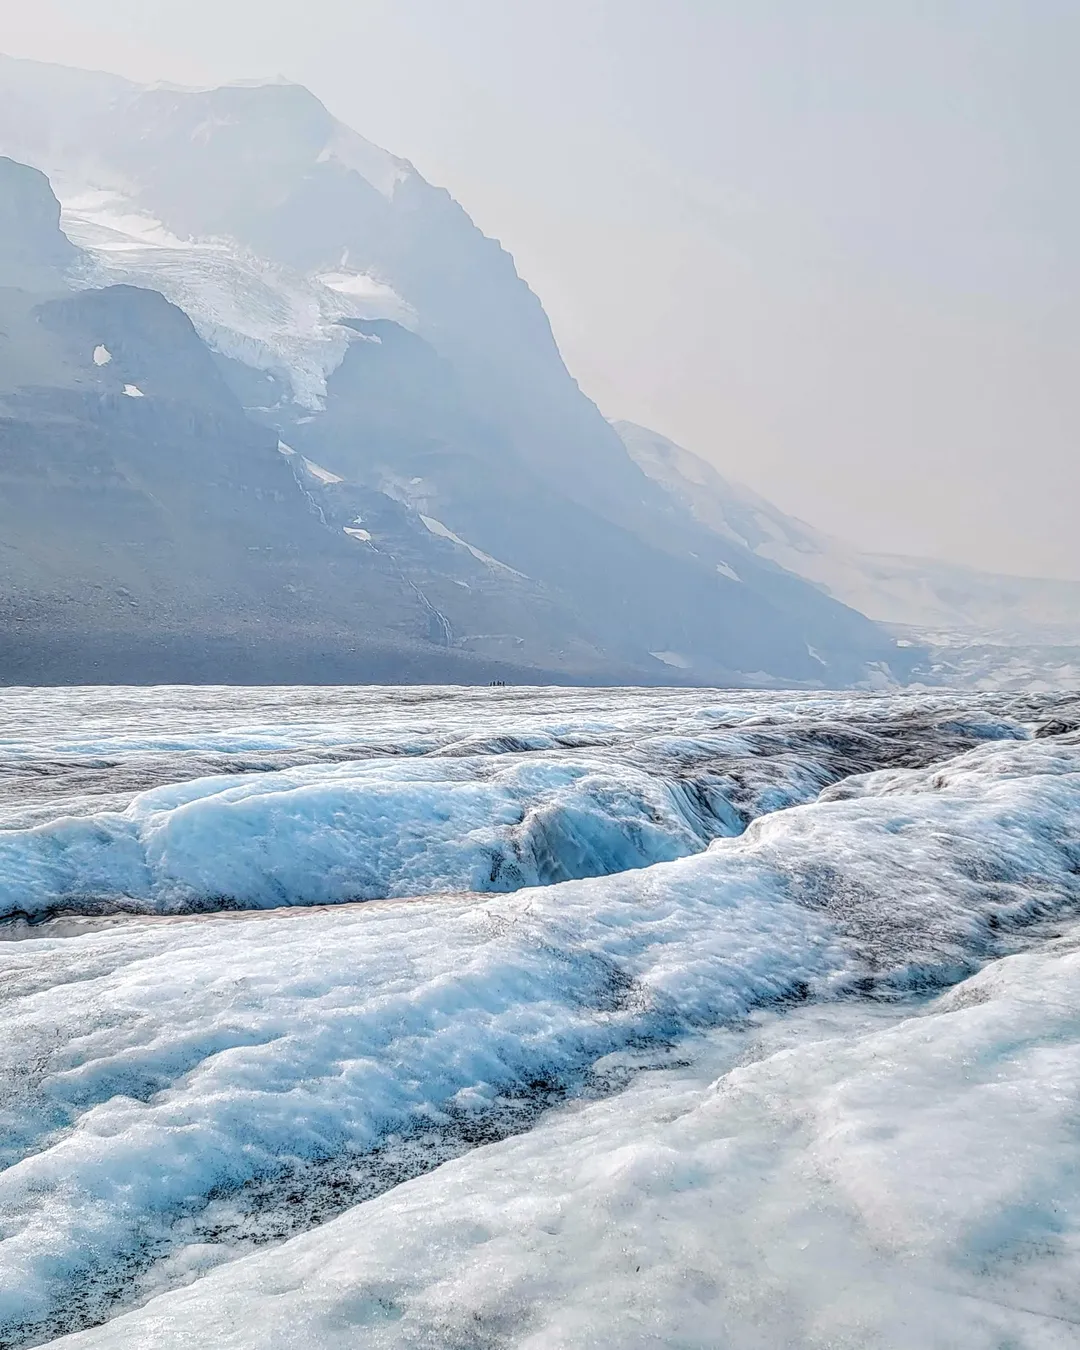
830	244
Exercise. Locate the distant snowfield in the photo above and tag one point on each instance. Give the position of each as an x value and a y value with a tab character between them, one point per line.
768	1035
244	306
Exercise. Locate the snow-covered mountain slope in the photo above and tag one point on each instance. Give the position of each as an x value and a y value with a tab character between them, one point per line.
935	598
398	419
357	312
150	530
266	170
268	315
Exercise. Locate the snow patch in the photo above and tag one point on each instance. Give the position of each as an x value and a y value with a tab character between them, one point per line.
102	355
133	391
674	659
361	286
323	475
442	531
726	571
363	535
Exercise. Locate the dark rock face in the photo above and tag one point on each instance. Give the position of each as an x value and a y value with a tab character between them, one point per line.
399	420
148	343
139	501
34	252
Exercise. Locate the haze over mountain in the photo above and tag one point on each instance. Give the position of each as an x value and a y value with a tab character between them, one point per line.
978	628
384	965
363	446
830	247
915	593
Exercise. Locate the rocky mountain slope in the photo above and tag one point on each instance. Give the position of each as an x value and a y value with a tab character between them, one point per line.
149	528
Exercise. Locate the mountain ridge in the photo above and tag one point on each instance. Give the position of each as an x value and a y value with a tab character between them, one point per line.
245	206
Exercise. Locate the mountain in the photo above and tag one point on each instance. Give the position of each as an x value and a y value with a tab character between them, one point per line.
996	630
353	312
148	528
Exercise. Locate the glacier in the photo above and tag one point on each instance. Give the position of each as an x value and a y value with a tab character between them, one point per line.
265	314
789	1058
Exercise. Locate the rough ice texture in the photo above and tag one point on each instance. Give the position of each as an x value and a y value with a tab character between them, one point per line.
358	831
859	1185
770	1133
561	787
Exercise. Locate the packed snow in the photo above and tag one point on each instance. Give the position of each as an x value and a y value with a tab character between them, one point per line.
361	286
766	1031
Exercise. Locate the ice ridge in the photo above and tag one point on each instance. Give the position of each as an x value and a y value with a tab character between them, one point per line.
199	1059
251	819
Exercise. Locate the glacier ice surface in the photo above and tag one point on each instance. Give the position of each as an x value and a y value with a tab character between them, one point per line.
861	1180
418	808
775	1125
